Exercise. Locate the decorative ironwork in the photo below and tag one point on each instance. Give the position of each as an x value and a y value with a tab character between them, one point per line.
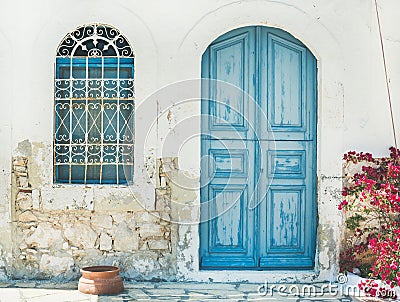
94	107
95	40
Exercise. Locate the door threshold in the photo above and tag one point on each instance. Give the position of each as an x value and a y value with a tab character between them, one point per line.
253	276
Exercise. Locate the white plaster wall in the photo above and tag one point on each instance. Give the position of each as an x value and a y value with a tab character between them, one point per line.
169	38
5	152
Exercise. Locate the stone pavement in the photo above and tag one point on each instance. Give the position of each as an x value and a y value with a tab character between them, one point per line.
158	291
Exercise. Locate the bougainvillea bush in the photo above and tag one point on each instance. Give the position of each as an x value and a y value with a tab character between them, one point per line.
371	206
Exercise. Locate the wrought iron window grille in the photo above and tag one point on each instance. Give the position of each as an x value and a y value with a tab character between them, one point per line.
94	107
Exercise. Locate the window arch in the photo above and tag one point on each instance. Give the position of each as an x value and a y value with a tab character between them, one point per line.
94	107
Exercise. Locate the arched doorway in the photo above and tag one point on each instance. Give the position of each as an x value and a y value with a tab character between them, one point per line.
258	147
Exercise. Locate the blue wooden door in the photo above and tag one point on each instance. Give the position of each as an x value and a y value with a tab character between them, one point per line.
258	147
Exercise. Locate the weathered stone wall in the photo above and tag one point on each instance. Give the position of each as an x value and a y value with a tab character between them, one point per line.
56	243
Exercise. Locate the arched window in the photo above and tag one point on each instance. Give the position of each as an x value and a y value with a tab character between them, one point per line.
94	107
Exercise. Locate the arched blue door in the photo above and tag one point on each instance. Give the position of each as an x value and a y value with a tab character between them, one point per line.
258	147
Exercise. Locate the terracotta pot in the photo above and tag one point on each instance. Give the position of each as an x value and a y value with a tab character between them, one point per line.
100	280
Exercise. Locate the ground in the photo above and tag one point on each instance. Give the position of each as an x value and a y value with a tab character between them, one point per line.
36	291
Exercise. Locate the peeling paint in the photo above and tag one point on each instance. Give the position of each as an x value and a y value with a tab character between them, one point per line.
24	148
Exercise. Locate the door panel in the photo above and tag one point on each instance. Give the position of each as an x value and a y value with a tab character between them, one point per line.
229	225
232	163
287	208
227	161
229	61
226	187
286	93
229	66
287	90
228	242
258	152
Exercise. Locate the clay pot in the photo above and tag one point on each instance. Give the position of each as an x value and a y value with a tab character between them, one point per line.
100	280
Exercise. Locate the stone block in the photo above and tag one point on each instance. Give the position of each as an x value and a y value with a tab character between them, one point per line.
165	217
130	220
20	161
163	199
146	216
91	257
118	217
158	244
45	236
68	198
24	201
22	182
21	169
125	239
151	230
79	253
101	221
142	263
80	234
27	216
105	242
56	265
35	199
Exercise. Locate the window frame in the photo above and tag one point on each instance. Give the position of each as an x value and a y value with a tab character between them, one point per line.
121	97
